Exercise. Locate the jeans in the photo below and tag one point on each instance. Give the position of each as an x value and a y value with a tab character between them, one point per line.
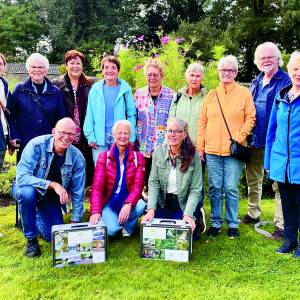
37	215
290	199
109	140
110	218
223	173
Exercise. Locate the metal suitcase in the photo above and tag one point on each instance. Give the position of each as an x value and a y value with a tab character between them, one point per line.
166	239
78	244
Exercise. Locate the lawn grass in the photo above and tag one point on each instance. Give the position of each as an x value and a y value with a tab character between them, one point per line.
244	268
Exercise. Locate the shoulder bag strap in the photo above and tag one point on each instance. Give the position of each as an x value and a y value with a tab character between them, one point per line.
223	116
125	106
178	96
36	100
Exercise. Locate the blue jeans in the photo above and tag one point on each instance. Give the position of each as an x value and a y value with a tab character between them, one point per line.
109	140
37	215
223	173
110	218
290	199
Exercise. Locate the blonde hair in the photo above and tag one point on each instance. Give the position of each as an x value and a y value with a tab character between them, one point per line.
154	63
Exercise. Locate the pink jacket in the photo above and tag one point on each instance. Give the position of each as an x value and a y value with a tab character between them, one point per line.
105	178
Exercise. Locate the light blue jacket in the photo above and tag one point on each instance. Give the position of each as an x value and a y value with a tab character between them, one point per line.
34	166
282	152
94	123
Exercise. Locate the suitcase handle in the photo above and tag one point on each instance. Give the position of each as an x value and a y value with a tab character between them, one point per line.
168	221
79	226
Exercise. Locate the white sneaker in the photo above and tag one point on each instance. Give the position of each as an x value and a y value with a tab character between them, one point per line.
125	233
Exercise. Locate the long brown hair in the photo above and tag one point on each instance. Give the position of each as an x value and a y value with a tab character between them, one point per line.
187	147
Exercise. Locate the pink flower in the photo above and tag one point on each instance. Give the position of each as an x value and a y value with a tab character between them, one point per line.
140	38
179	40
138	67
165	40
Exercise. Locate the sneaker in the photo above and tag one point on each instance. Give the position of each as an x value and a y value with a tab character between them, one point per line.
277	235
233	233
32	248
125	233
287	247
297	252
249	220
213	231
201	223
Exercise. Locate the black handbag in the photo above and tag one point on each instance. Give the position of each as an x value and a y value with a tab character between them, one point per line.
237	150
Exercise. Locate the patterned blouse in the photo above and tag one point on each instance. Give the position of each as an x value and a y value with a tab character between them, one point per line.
152	116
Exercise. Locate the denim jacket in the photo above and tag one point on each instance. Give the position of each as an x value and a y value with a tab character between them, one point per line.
34	167
279	80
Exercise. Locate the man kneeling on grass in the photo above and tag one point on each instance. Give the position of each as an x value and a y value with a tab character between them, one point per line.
51	173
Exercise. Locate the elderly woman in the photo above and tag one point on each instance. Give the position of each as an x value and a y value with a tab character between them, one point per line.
110	100
175	181
4	94
118	184
186	106
282	154
35	106
153	104
75	87
214	140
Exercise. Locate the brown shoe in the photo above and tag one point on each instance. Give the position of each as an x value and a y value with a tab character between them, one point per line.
249	220
277	235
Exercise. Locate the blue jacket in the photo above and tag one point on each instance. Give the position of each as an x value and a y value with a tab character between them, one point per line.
279	80
282	152
34	166
7	95
94	123
27	120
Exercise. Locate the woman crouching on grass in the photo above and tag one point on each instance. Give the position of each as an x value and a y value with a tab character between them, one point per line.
118	184
175	180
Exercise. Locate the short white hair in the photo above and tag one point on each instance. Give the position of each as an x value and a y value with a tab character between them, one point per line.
195	67
228	60
294	58
37	56
271	45
118	124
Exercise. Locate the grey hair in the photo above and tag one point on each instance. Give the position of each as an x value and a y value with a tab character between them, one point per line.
295	57
273	46
119	123
182	125
228	60
37	56
194	67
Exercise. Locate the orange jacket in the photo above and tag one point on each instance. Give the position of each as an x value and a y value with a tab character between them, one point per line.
239	111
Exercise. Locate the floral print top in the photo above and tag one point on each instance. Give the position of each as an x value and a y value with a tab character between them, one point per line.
152	116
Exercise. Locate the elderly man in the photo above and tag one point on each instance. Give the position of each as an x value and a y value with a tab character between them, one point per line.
51	173
264	87
35	106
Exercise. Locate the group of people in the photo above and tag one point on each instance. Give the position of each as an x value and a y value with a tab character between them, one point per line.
147	153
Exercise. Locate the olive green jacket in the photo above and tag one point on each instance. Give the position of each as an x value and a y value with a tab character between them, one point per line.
188	110
189	184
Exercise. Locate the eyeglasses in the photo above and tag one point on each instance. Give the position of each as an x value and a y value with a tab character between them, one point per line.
154	75
230	71
176	131
37	67
267	58
69	134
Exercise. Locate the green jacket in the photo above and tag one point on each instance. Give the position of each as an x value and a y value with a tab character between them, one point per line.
189	184
188	110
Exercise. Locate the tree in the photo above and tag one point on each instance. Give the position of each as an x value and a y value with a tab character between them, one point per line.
21	29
